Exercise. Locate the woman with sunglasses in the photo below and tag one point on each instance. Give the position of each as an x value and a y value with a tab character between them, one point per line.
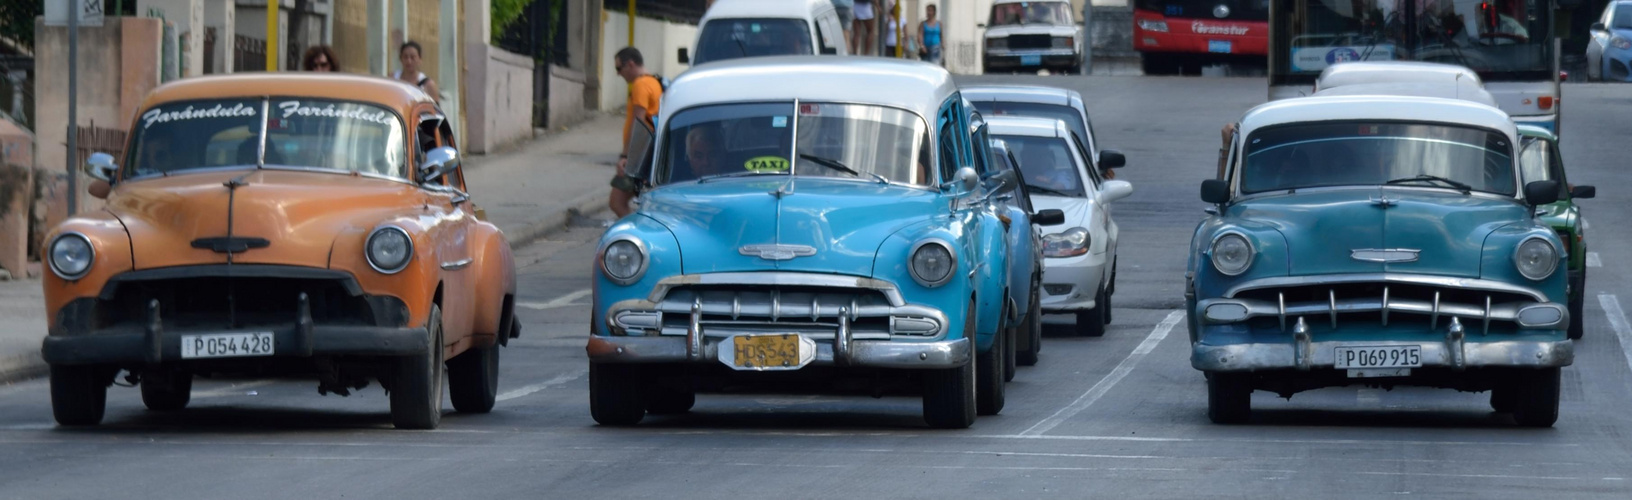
320	58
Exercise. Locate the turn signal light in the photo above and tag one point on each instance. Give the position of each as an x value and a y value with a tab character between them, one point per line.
1545	102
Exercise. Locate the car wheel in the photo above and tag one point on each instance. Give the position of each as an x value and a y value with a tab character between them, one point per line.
615	394
1502	399
1535	398
1091	322
473	379
1032	328
989	384
1229	397
1578	317
166	390
949	393
416	391
669	393
79	394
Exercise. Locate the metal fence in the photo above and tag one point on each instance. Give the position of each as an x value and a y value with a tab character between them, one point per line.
94	139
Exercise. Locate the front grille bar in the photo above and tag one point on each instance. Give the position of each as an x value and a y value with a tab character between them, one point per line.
1386	305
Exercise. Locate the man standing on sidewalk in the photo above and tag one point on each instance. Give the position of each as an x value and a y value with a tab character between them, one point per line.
645	94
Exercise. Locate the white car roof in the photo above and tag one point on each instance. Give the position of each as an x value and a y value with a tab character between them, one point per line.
793	9
1027	125
915	86
1022	93
1439	90
1364	72
1392	108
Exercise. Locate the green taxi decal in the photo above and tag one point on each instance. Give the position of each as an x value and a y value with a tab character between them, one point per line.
766	164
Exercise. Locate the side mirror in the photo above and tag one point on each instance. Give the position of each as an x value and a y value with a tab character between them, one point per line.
965	181
1049	217
100	166
438	162
1003	181
1541	192
1111	158
1215	191
1598	27
1584	192
1112	191
685	57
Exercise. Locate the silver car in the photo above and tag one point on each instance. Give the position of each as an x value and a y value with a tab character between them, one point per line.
1080	258
1031	35
1044	102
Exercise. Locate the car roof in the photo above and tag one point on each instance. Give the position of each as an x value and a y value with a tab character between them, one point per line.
1021	93
1391	108
1027	125
1363	72
386	92
797	9
1419	89
915	86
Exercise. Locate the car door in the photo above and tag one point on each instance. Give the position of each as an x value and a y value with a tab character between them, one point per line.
983	231
450	218
1103	227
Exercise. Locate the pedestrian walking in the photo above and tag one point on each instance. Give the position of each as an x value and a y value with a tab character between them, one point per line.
929	36
645	95
895	30
846	9
320	58
865	39
408	55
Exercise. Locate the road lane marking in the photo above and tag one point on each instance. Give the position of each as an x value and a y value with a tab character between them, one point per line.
562	301
1593	261
1617	321
232	390
558	380
1099	389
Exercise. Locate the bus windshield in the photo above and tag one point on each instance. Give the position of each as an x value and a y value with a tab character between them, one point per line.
1232	10
1499	39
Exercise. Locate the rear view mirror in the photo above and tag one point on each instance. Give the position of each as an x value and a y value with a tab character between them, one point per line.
1049	217
101	167
1111	158
1215	191
684	57
1541	192
1584	192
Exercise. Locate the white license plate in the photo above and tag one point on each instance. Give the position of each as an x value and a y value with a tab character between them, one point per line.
1369	357
226	345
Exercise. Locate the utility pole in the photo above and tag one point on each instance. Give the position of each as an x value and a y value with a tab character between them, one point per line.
631	23
272	34
73	104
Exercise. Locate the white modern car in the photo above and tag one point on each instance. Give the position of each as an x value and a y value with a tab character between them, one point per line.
1079	256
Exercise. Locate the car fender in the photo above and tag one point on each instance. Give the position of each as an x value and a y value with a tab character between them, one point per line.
112	256
415	284
494	271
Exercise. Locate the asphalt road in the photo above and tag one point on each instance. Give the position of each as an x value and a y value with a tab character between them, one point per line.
1118	416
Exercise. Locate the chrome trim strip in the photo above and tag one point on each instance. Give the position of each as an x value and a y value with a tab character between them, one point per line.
1455	344
1263	308
1271	356
775	278
841	339
694	333
1385	255
458	264
1300	340
1408	279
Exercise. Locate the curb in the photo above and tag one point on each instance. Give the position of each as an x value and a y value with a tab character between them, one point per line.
555	221
22	367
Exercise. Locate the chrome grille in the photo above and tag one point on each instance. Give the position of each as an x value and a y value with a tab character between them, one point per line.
1426	302
814	311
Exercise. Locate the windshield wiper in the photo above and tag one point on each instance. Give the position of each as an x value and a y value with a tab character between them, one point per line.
744	173
835	165
1464	188
1049	191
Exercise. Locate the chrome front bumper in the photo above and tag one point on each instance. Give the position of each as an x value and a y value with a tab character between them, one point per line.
1304	355
845	352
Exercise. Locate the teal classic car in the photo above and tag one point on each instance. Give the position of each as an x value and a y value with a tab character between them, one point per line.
1380	241
1539	160
801	235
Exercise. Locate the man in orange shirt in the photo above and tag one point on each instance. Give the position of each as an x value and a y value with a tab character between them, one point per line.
645	94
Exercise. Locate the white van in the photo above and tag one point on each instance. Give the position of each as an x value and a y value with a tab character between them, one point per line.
734	29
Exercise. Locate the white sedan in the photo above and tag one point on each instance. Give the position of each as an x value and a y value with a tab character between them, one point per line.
1079	264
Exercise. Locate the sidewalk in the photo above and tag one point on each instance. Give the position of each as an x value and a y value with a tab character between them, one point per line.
527	191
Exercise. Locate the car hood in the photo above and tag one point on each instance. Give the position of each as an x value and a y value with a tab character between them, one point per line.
1323	228
296	212
1032	29
831	226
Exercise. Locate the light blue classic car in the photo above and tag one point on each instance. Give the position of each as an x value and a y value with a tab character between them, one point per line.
1378	241
799	230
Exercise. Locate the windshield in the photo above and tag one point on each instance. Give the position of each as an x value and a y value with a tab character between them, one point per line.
723	39
1069	115
1234	10
1006	14
1500	39
1363	153
1046	165
835	140
349	136
1623	17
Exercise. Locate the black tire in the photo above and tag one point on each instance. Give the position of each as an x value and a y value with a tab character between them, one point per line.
1502	399
661	400
1535	397
1229	397
416	389
1577	305
616	396
1032	328
949	397
989	383
79	394
473	379
1091	322
166	390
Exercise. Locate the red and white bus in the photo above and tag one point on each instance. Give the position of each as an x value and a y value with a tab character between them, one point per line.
1181	36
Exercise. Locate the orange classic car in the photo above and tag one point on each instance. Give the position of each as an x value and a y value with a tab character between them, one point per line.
278	225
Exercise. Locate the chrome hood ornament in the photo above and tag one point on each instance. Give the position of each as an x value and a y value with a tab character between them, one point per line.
1385	255
777	251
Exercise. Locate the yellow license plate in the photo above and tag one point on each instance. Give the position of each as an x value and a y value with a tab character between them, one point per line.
766	351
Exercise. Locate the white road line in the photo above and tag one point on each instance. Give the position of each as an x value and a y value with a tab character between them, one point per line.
1617	320
231	390
558	380
1099	389
562	301
1593	261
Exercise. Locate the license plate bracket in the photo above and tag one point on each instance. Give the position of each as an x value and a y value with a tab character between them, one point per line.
227	345
767	352
1031	60
1366	358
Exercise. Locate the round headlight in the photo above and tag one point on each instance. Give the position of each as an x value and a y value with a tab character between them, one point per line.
389	249
1232	255
623	261
71	256
932	263
1536	258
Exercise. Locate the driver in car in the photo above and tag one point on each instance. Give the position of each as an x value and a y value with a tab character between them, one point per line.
703	151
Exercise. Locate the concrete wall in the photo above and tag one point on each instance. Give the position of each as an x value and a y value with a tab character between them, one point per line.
188	18
501	101
16	195
351	35
566	97
222	16
657	40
